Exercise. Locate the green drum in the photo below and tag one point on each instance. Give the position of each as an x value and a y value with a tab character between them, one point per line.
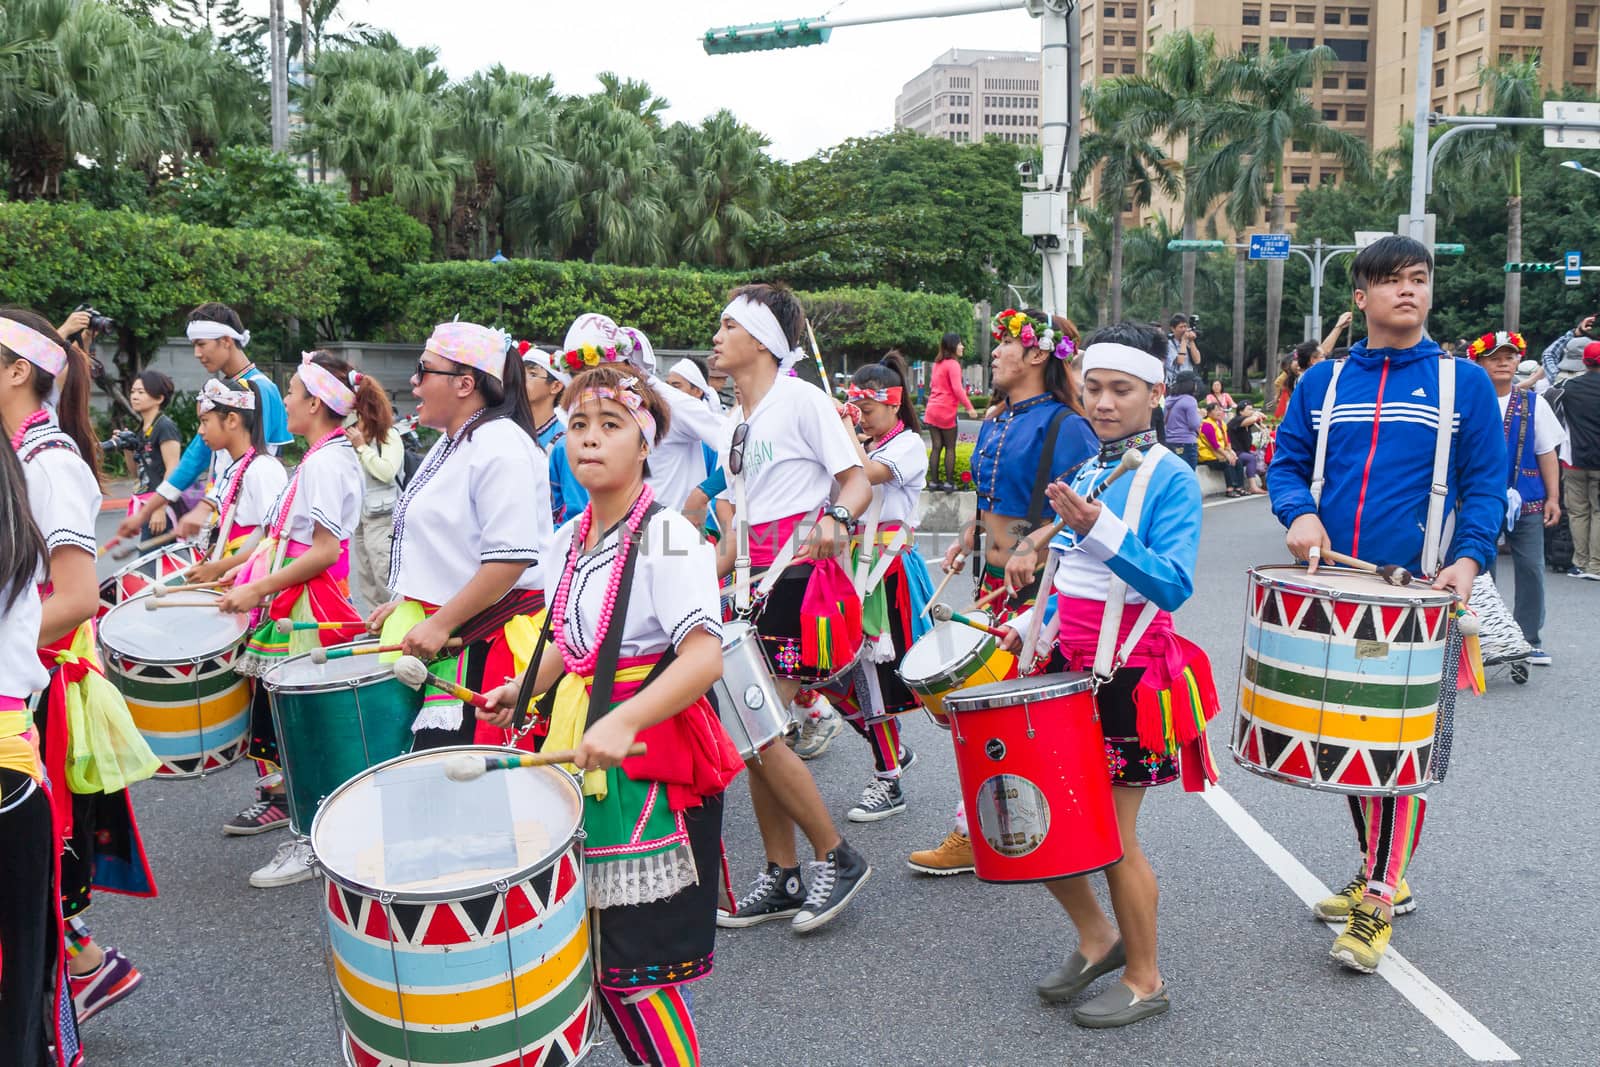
335	720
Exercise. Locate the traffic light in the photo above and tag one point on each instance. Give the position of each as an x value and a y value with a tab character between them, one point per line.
1195	246
764	37
1532	268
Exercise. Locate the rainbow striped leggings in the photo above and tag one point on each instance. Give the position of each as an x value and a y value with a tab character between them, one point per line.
653	1026
1387	829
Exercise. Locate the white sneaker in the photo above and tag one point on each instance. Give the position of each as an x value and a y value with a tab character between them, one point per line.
290	864
816	734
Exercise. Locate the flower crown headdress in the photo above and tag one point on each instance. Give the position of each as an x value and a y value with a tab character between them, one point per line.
1032	333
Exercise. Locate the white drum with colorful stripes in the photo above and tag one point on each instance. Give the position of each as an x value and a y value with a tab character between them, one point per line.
162	566
456	913
1339	684
174	667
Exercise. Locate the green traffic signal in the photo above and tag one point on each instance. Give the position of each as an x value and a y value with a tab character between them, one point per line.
764	37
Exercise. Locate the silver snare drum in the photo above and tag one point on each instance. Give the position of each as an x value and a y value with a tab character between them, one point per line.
747	697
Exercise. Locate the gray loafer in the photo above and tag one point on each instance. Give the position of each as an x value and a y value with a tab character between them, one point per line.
1120	1006
1074	976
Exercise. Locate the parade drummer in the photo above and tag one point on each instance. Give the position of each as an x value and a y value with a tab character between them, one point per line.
44	405
892	614
1363	468
219	340
788	455
300	571
634	616
1123	563
1040	436
470	526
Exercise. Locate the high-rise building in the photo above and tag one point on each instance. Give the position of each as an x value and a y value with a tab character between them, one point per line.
967	95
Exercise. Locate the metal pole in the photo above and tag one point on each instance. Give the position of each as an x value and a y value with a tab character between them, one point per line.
280	78
1316	290
1419	136
976	8
1055	55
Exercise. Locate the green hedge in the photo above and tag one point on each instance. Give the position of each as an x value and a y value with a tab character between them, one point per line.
146	271
676	308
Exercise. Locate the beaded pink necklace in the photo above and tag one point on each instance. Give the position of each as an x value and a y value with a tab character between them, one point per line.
282	518
896	431
585	665
236	482
28	423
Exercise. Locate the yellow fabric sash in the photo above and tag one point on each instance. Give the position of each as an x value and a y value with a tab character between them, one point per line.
570	715
17	753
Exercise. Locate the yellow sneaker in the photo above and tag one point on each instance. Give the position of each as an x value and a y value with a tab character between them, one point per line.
953	856
1337	907
1364	941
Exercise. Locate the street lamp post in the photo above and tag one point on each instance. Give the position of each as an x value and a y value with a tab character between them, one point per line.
1573	164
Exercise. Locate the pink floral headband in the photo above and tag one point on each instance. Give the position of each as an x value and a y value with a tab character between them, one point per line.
33	346
627	394
325	385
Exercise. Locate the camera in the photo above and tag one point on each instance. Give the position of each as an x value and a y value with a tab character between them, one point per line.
1194	324
121	441
98	323
1025	169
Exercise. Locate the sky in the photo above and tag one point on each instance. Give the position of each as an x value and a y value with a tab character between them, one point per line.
803	99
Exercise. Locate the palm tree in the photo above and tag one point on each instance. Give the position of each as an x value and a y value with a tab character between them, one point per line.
1174	97
1514	91
1094	277
1264	107
1154	272
722	189
1131	170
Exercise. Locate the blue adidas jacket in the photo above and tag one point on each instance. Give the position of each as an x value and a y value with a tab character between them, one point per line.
1380	456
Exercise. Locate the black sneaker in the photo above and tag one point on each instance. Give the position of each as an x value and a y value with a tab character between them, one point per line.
908	756
776	894
834	881
271	812
879	800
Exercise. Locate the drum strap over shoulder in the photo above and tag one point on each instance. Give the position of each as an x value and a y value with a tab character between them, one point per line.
1434	535
1117	591
1318	469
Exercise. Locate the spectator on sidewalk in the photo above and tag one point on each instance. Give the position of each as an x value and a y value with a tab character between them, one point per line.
1242	436
1219	393
1533	433
158	444
1568	349
1183	419
1183	355
946	393
1580	484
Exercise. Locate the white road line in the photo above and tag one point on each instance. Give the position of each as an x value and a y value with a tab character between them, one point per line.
1458	1024
1233	500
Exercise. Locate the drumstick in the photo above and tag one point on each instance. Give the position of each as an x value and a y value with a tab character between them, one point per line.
949	574
1129	462
1389	572
287	627
983	602
168	590
414	673
944	613
465	768
156	604
155	542
107	547
323	655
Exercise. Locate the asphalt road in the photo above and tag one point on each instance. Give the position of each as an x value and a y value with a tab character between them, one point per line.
940	971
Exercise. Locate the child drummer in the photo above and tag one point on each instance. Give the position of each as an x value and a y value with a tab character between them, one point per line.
1381	494
1122	564
635	617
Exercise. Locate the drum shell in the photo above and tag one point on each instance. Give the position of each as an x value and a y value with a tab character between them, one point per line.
193	711
985	664
330	732
1031	758
1339	682
500	973
748	702
135	577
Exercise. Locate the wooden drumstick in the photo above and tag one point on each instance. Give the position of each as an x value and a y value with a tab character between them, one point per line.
414	673
1389	572
949	574
168	590
944	613
323	655
1130	461
287	627
156	604
126	550
466	767
983	602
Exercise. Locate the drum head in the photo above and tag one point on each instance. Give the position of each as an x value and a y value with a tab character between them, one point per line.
1015	691
944	648
303	674
405	828
1345	583
187	632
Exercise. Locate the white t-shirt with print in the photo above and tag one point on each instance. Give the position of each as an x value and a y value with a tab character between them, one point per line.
796	446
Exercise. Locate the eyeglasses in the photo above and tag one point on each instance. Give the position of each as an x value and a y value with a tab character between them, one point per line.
736	453
423	370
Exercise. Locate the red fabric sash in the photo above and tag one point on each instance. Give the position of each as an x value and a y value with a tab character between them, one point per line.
690	753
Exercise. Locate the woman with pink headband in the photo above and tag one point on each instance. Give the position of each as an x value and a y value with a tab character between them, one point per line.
300	571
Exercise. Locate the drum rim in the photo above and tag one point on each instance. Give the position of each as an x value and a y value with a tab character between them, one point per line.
1386	596
464	892
155	553
110	649
1330	787
385	671
976	658
988	696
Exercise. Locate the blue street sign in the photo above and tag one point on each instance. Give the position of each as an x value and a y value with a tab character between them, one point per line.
1269	246
1574	271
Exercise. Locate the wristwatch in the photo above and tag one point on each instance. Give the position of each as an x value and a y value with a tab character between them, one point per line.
841	515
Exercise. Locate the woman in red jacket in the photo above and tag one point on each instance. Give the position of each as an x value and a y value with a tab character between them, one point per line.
946	393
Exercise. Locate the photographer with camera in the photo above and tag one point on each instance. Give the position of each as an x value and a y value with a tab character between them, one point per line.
153	450
1183	354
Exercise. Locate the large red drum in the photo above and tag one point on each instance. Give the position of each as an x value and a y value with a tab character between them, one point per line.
1032	763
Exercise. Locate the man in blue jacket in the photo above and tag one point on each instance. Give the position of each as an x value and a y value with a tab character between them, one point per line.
1377	498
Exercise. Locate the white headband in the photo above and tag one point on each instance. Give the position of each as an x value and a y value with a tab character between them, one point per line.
538	357
206	330
762	324
689	371
1107	355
